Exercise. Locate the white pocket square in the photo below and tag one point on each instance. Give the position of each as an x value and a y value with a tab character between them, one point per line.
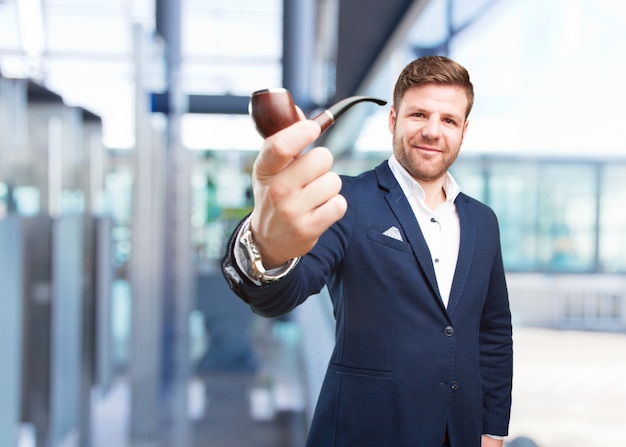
393	233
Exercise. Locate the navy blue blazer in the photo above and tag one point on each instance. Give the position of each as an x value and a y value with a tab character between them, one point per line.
404	368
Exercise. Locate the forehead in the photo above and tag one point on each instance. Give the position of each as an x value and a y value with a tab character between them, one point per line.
450	99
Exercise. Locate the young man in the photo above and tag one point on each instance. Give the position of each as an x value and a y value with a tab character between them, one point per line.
423	353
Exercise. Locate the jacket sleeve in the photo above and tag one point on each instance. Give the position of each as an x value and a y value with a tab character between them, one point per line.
307	278
496	352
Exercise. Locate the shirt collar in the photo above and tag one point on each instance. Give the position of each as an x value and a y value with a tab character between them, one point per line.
410	185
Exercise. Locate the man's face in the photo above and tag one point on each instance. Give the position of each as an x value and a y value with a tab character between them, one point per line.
428	129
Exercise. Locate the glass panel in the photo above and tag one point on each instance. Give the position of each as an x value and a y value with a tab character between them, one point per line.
67	334
567	217
470	175
548	211
512	193
612	235
11	317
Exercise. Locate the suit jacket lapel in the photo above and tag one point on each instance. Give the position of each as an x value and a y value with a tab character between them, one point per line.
403	212
466	252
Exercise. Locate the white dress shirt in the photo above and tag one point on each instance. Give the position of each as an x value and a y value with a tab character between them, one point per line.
441	227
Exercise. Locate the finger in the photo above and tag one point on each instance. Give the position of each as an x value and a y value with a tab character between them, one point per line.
319	191
322	217
279	150
309	166
302	201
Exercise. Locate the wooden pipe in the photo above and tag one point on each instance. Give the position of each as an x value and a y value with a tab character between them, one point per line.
273	109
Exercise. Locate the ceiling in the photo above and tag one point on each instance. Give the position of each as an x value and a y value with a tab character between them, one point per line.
84	51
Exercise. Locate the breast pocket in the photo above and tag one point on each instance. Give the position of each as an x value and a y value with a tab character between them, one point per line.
377	236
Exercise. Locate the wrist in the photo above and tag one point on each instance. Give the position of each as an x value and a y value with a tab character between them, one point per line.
255	268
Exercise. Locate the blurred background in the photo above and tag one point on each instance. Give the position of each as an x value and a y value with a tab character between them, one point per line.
125	158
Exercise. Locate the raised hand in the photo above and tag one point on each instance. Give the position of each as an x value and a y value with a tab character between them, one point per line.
296	197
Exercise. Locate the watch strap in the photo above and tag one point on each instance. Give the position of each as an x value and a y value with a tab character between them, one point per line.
254	267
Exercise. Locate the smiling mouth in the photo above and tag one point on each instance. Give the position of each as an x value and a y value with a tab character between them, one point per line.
427	149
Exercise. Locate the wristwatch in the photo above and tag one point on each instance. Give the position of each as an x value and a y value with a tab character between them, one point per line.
255	268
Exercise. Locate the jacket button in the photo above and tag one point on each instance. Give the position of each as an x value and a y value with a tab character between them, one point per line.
454	386
449	331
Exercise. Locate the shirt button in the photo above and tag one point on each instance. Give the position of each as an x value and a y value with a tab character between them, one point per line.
449	331
436	260
454	386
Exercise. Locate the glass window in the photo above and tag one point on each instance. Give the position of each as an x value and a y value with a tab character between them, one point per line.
548	211
512	191
567	217
470	175
612	236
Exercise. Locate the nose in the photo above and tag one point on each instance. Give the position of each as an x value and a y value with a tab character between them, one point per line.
432	128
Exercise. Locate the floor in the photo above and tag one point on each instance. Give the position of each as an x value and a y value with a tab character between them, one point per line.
228	421
569	387
261	406
251	386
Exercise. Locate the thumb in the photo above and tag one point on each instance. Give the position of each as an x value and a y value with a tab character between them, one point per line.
280	149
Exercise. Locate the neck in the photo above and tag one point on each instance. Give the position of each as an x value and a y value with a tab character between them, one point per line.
435	195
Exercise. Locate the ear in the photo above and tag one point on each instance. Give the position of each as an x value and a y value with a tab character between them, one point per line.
392	119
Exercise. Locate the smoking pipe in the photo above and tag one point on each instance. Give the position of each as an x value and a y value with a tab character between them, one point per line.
273	109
